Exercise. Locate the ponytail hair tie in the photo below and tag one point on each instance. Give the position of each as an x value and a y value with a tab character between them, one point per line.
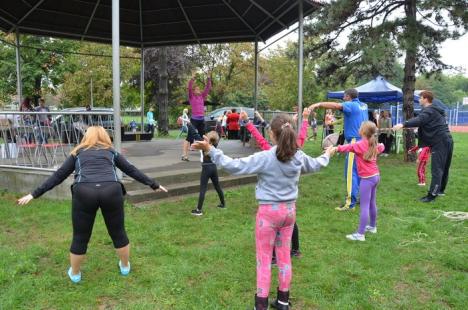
287	124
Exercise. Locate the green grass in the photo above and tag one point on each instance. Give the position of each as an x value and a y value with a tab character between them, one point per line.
418	259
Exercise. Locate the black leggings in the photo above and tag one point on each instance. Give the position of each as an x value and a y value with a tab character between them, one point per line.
87	199
209	171
294	240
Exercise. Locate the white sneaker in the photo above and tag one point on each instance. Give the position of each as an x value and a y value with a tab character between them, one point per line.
124	270
372	230
422	184
356	237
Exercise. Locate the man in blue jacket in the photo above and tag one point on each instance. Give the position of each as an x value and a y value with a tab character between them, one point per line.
355	112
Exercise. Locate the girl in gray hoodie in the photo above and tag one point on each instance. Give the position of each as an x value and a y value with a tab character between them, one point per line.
278	171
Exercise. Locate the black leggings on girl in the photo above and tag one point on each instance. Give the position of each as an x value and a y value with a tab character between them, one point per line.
209	171
87	198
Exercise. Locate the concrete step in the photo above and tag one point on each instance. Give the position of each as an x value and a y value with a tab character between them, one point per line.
180	189
167	178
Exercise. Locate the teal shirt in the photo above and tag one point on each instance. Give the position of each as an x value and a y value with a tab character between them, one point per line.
150	118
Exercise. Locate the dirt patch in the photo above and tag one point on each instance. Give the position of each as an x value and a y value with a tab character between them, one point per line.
106	303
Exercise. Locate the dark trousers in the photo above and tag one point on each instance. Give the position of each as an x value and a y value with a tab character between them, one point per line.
294	240
209	171
387	142
233	134
199	125
441	159
87	198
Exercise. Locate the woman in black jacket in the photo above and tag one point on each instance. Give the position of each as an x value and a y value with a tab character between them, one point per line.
96	186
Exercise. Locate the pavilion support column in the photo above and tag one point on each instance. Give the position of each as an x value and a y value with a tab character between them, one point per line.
300	63
256	76
116	76
19	83
142	88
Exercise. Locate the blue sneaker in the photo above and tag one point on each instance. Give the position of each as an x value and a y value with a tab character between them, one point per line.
124	270
75	278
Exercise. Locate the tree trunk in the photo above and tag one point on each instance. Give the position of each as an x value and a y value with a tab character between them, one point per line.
410	76
163	119
37	90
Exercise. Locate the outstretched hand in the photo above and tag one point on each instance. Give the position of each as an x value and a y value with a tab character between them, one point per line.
314	106
244	116
305	114
202	145
161	189
25	199
398	127
330	151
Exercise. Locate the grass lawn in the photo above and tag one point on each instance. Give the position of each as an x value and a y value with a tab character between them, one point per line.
418	259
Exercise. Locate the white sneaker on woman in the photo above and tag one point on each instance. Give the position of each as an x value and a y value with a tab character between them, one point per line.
372	230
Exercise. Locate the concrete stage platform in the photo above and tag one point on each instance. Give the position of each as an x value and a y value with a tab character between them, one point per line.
161	160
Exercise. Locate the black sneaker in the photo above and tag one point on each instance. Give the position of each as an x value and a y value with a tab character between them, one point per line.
197	212
184	158
221	206
428	198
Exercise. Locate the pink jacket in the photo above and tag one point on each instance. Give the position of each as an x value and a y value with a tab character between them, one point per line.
198	102
263	143
365	168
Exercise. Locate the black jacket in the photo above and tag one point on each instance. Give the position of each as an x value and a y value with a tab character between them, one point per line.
432	126
94	166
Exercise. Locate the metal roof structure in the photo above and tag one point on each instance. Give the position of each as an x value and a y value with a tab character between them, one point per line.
146	23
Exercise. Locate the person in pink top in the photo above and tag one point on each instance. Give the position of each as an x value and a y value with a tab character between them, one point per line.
366	151
423	158
197	102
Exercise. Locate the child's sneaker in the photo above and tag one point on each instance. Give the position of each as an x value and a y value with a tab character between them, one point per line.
356	237
221	206
372	230
197	212
124	270
296	253
422	184
75	278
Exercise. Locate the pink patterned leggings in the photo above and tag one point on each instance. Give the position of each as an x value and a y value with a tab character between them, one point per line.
274	227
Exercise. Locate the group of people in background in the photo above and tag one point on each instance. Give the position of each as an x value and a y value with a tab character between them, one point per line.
278	166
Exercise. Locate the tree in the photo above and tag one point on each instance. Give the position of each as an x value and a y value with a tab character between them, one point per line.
377	30
44	62
166	84
76	88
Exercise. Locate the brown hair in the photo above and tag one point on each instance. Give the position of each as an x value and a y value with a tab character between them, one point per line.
213	137
285	135
427	94
95	136
352	93
369	130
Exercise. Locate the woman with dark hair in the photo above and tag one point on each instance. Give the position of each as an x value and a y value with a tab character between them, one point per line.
278	171
96	186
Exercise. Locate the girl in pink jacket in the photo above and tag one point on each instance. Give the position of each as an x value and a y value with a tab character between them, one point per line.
366	151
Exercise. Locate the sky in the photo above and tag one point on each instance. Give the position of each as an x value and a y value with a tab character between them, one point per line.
453	52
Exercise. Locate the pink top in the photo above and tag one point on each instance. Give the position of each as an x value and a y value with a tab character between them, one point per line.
263	143
197	102
365	168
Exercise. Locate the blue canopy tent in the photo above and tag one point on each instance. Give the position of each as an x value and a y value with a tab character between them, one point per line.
379	90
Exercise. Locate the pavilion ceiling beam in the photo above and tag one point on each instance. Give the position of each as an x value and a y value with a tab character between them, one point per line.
8	22
279	8
90	19
207	39
188	21
27	14
279	16
8	14
240	17
141	22
247	10
268	13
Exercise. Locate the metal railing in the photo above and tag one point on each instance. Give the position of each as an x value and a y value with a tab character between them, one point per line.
42	140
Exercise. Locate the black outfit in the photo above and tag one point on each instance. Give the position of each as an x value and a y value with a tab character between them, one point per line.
209	171
387	141
199	125
96	186
433	131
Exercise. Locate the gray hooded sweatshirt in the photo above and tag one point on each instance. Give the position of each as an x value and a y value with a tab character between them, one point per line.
277	181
